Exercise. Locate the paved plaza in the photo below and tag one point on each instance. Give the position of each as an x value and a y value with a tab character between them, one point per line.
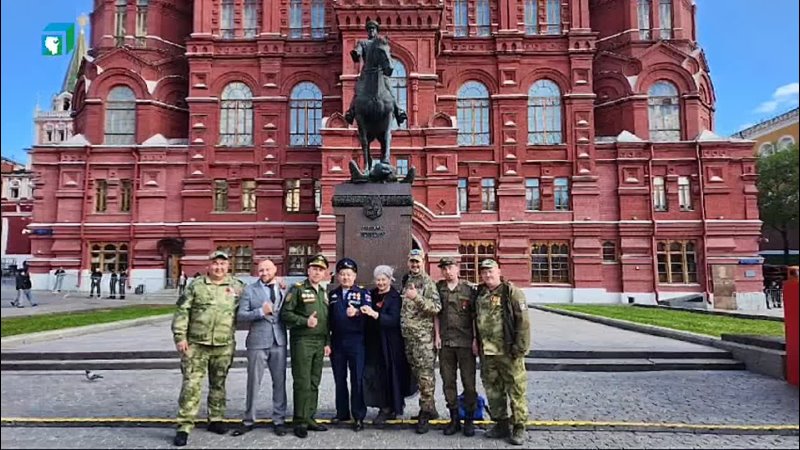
646	406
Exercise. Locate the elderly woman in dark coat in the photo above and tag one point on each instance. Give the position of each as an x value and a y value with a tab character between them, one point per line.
387	375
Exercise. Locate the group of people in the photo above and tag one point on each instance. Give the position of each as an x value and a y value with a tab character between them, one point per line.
384	340
116	283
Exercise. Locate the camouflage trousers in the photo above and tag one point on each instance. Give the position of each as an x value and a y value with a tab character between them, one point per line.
422	357
505	378
199	359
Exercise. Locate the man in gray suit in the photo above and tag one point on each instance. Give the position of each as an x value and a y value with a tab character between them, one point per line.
260	305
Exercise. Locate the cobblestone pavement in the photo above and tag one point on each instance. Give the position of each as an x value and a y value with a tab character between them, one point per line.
392	438
692	397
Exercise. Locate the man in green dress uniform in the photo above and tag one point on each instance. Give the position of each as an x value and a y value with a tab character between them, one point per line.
305	314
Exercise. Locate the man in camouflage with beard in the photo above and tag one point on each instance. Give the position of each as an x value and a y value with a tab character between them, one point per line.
420	305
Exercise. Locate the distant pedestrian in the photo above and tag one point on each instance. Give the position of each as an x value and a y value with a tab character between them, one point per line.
59	273
95	277
112	285
182	283
123	282
23	282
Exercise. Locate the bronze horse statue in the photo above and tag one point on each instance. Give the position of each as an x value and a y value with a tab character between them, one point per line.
374	107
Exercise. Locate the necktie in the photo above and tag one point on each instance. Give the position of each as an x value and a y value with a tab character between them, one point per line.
271	291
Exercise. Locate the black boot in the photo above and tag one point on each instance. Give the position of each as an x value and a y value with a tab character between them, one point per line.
217	427
180	439
455	423
499	430
349	116
422	424
469	424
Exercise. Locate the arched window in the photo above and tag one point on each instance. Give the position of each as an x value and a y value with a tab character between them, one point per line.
109	256
236	115
766	149
785	142
544	113
305	115
473	114
120	126
399	82
664	112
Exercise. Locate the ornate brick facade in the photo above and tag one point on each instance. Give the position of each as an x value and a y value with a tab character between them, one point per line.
554	171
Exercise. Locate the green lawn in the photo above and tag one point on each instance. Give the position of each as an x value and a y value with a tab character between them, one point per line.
45	322
712	325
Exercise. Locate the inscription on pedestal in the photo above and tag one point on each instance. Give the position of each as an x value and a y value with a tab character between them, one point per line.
373	226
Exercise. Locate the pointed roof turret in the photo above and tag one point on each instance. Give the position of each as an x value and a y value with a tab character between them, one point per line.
71	78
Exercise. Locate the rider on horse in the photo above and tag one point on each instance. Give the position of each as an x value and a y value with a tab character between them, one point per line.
359	53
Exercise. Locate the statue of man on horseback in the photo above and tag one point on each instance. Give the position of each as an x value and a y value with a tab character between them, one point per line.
374	106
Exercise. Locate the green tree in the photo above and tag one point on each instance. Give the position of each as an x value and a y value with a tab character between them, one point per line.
778	192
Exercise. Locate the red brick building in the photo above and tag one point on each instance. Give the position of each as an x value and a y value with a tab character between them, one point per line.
571	139
16	201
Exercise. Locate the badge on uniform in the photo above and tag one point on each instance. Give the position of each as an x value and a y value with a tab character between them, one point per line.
464	304
308	297
495	300
354	299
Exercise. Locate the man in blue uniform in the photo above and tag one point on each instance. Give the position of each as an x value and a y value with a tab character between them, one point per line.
347	343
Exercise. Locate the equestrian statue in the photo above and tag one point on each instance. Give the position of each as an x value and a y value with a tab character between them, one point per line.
373	107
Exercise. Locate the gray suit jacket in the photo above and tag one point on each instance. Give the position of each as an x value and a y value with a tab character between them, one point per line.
264	330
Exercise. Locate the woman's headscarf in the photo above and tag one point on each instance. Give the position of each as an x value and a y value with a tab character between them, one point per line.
386	271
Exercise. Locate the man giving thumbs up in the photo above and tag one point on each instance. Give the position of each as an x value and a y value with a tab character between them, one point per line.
306	316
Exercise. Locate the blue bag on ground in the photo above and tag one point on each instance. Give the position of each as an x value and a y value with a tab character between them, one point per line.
481	406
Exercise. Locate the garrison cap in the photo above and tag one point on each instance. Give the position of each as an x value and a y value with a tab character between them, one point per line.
319	261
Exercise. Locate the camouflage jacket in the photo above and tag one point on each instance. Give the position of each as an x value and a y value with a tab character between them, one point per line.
206	312
416	316
502	319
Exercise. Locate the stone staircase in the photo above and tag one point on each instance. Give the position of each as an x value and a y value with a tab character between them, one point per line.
536	361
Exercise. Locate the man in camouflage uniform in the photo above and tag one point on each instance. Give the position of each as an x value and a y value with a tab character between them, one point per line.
420	305
455	340
203	330
504	338
305	314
